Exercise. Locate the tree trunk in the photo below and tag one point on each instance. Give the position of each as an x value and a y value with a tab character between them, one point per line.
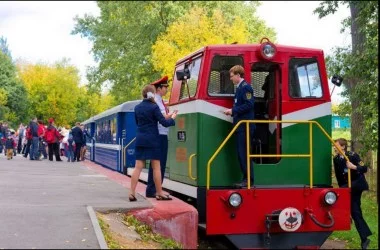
358	39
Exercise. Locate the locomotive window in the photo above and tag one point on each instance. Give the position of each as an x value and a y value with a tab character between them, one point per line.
304	78
219	83
194	68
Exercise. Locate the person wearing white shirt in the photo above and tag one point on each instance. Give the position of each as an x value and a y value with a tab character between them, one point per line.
161	86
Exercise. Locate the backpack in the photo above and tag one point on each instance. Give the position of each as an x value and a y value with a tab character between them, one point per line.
28	134
50	135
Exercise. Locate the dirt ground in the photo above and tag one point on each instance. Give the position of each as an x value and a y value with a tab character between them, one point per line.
333	244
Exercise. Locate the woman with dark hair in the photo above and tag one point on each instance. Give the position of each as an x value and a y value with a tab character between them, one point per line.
147	114
358	185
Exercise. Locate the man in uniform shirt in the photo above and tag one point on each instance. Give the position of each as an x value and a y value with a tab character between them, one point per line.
161	86
242	110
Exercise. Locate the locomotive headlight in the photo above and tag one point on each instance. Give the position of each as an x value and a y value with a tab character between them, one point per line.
268	50
235	199
330	198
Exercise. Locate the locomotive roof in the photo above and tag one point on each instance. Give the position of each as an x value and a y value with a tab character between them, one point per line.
124	107
250	47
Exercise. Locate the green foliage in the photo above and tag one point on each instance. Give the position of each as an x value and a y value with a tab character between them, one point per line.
4	47
341	133
111	243
124	33
13	97
358	64
146	233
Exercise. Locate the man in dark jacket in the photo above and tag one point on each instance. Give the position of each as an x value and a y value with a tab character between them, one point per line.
242	110
78	139
34	155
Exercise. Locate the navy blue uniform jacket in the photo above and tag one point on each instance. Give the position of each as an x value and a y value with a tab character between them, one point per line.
77	135
147	114
357	176
243	105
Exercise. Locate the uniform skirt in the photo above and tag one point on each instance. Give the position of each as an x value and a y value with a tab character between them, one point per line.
145	153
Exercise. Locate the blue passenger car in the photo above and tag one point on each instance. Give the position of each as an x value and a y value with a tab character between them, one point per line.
113	130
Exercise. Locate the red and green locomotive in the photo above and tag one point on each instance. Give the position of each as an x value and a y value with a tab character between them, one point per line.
292	203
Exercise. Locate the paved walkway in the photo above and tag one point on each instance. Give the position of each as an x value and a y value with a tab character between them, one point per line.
43	204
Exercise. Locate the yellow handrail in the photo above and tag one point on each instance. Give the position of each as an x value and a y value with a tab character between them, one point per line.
310	155
124	154
190	167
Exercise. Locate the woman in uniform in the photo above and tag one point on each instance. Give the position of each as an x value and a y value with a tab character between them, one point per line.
358	185
147	114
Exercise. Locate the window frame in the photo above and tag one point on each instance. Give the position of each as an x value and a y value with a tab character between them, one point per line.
186	64
311	60
209	76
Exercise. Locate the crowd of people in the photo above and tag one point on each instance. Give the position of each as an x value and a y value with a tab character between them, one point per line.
42	141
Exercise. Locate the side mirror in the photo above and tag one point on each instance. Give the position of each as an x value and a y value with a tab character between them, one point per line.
183	74
337	80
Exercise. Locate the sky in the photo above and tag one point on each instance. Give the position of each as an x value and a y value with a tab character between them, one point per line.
40	31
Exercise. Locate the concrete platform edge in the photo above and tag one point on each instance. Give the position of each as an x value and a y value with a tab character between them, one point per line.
96	226
173	219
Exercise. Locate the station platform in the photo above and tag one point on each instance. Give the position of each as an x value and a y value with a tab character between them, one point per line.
47	204
175	219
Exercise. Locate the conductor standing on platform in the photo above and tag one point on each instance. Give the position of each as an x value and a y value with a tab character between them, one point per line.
358	186
161	87
242	110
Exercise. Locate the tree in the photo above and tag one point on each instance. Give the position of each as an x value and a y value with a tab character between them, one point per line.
13	97
91	103
4	47
358	64
124	33
53	90
197	29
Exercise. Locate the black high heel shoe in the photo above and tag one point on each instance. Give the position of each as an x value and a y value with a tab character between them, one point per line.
132	198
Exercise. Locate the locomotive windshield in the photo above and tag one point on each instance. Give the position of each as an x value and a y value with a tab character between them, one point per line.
305	81
189	91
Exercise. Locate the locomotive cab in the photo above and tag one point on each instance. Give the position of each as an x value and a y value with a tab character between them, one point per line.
292	160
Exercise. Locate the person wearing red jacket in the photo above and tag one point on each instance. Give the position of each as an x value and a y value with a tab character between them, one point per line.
52	137
41	135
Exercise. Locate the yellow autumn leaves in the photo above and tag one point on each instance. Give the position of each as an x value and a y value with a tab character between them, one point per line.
55	91
193	31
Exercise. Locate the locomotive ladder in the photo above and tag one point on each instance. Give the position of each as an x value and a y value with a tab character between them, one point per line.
249	156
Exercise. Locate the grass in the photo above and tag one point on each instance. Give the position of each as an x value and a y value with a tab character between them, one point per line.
341	133
111	243
370	214
147	234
